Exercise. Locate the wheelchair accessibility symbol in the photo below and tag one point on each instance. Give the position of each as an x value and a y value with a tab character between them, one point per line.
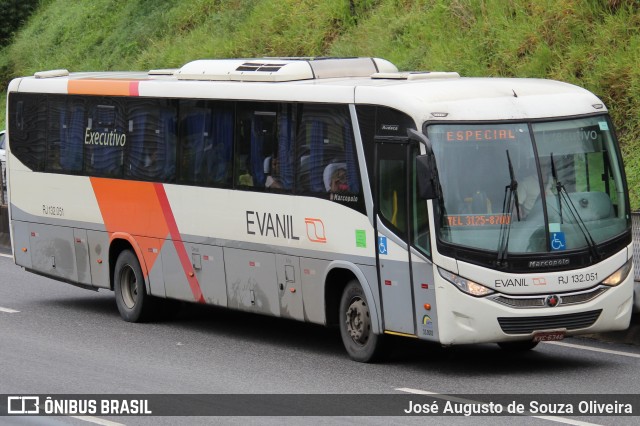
558	241
382	245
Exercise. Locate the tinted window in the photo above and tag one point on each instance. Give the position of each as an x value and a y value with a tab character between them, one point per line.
265	146
151	140
66	132
277	147
206	139
392	185
327	161
381	122
27	121
105	138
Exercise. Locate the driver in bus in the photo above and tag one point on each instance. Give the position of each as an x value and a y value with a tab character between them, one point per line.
529	190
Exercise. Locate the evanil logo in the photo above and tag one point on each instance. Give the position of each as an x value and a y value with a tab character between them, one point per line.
105	138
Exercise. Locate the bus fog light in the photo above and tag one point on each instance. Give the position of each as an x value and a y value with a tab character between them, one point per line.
465	285
620	275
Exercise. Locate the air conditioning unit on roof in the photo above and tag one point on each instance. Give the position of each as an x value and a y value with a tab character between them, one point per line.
282	69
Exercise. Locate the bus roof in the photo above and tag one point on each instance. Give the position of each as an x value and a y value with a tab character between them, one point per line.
425	96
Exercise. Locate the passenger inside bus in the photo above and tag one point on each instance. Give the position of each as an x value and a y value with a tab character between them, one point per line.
272	170
244	177
335	177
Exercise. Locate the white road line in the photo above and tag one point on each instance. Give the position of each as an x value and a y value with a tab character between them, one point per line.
591	348
469	401
10	256
97	421
8	311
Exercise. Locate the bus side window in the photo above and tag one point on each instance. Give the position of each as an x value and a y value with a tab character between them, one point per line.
72	149
58	128
219	151
66	134
207	143
256	146
105	139
28	128
152	141
327	162
278	166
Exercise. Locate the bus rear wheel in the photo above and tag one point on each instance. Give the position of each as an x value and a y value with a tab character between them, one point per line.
361	343
132	300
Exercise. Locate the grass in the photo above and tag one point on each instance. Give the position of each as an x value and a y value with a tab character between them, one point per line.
591	43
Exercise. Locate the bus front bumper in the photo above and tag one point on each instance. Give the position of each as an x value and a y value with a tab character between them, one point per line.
464	319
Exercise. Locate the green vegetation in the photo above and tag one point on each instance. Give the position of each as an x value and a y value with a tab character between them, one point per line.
13	15
591	43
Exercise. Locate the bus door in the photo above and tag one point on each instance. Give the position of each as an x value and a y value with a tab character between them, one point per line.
392	189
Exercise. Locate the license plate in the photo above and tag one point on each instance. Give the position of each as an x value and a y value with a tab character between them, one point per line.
549	336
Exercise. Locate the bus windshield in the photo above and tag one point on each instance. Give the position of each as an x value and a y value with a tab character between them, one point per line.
529	187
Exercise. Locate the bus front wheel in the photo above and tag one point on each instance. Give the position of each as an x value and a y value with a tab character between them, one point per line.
131	298
361	343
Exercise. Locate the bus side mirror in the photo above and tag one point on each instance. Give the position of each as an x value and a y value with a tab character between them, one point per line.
426	177
426	170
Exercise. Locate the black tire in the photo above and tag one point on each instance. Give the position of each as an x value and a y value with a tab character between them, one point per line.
518	346
361	343
132	300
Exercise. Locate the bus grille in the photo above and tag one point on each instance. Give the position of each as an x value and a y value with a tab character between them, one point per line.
573	299
523	302
527	325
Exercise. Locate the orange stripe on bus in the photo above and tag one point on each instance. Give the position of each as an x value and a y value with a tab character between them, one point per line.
103	87
132	207
178	244
142	210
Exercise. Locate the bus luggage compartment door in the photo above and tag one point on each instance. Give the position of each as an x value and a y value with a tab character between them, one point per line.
52	251
289	287
252	281
208	265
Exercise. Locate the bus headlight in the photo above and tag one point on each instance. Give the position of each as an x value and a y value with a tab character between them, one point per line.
465	285
620	275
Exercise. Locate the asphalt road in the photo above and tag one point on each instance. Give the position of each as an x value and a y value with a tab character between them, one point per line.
59	339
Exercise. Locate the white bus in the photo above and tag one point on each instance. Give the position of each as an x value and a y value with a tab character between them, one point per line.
337	191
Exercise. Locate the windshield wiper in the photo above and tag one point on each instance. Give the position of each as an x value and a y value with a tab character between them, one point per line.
510	200
563	195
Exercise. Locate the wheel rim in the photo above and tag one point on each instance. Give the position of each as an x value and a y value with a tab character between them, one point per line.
129	286
358	321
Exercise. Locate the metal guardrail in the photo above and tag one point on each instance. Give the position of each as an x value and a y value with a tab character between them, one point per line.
635	230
